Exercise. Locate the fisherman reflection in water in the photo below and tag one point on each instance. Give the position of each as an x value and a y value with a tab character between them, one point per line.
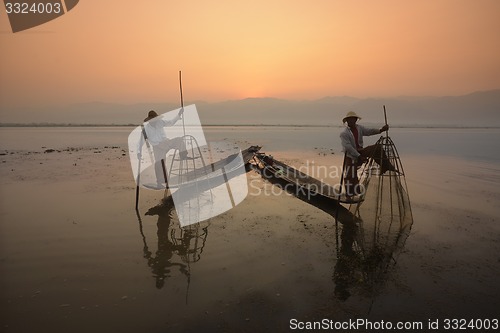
356	154
154	133
347	262
161	263
174	243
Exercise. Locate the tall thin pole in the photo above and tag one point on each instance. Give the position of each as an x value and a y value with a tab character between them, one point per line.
182	102
387	143
137	185
180	87
145	137
385	117
338	206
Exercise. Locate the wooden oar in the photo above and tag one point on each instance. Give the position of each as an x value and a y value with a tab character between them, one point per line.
138	182
145	136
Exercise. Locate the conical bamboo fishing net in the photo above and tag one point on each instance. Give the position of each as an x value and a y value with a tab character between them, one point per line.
383	215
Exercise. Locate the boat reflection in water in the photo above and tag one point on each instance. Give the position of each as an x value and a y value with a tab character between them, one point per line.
178	247
370	233
380	224
363	259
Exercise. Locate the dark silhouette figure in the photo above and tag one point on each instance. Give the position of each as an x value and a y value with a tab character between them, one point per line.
177	247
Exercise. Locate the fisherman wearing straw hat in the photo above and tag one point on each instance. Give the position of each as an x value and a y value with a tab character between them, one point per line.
352	144
155	134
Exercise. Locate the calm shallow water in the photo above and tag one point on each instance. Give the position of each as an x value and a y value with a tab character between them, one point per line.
76	257
467	143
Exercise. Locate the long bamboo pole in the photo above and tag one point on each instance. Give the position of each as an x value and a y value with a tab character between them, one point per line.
182	103
338	206
385	117
138	182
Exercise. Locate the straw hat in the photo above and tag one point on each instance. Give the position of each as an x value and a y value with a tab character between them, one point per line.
350	114
151	114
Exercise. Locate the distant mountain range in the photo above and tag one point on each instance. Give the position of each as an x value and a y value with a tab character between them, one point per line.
477	109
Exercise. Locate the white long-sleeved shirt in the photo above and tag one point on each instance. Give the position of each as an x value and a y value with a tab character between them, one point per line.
348	142
154	128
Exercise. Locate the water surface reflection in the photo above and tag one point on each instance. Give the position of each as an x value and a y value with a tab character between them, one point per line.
364	250
177	248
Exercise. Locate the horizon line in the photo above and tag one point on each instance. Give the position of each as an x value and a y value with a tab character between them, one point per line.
42	125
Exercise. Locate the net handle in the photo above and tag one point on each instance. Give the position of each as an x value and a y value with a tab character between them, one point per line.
385	117
182	103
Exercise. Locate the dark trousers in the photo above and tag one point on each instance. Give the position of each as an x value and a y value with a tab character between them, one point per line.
160	151
351	167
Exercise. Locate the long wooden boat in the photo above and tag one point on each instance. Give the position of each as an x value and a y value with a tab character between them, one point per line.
295	179
298	181
205	175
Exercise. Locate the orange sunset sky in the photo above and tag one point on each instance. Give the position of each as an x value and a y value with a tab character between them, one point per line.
126	51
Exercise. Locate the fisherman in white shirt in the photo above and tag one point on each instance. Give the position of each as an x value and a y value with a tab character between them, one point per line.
155	134
356	154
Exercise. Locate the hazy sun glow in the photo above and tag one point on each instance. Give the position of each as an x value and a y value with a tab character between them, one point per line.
130	51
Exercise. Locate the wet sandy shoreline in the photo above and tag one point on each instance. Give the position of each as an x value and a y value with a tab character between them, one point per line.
74	250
